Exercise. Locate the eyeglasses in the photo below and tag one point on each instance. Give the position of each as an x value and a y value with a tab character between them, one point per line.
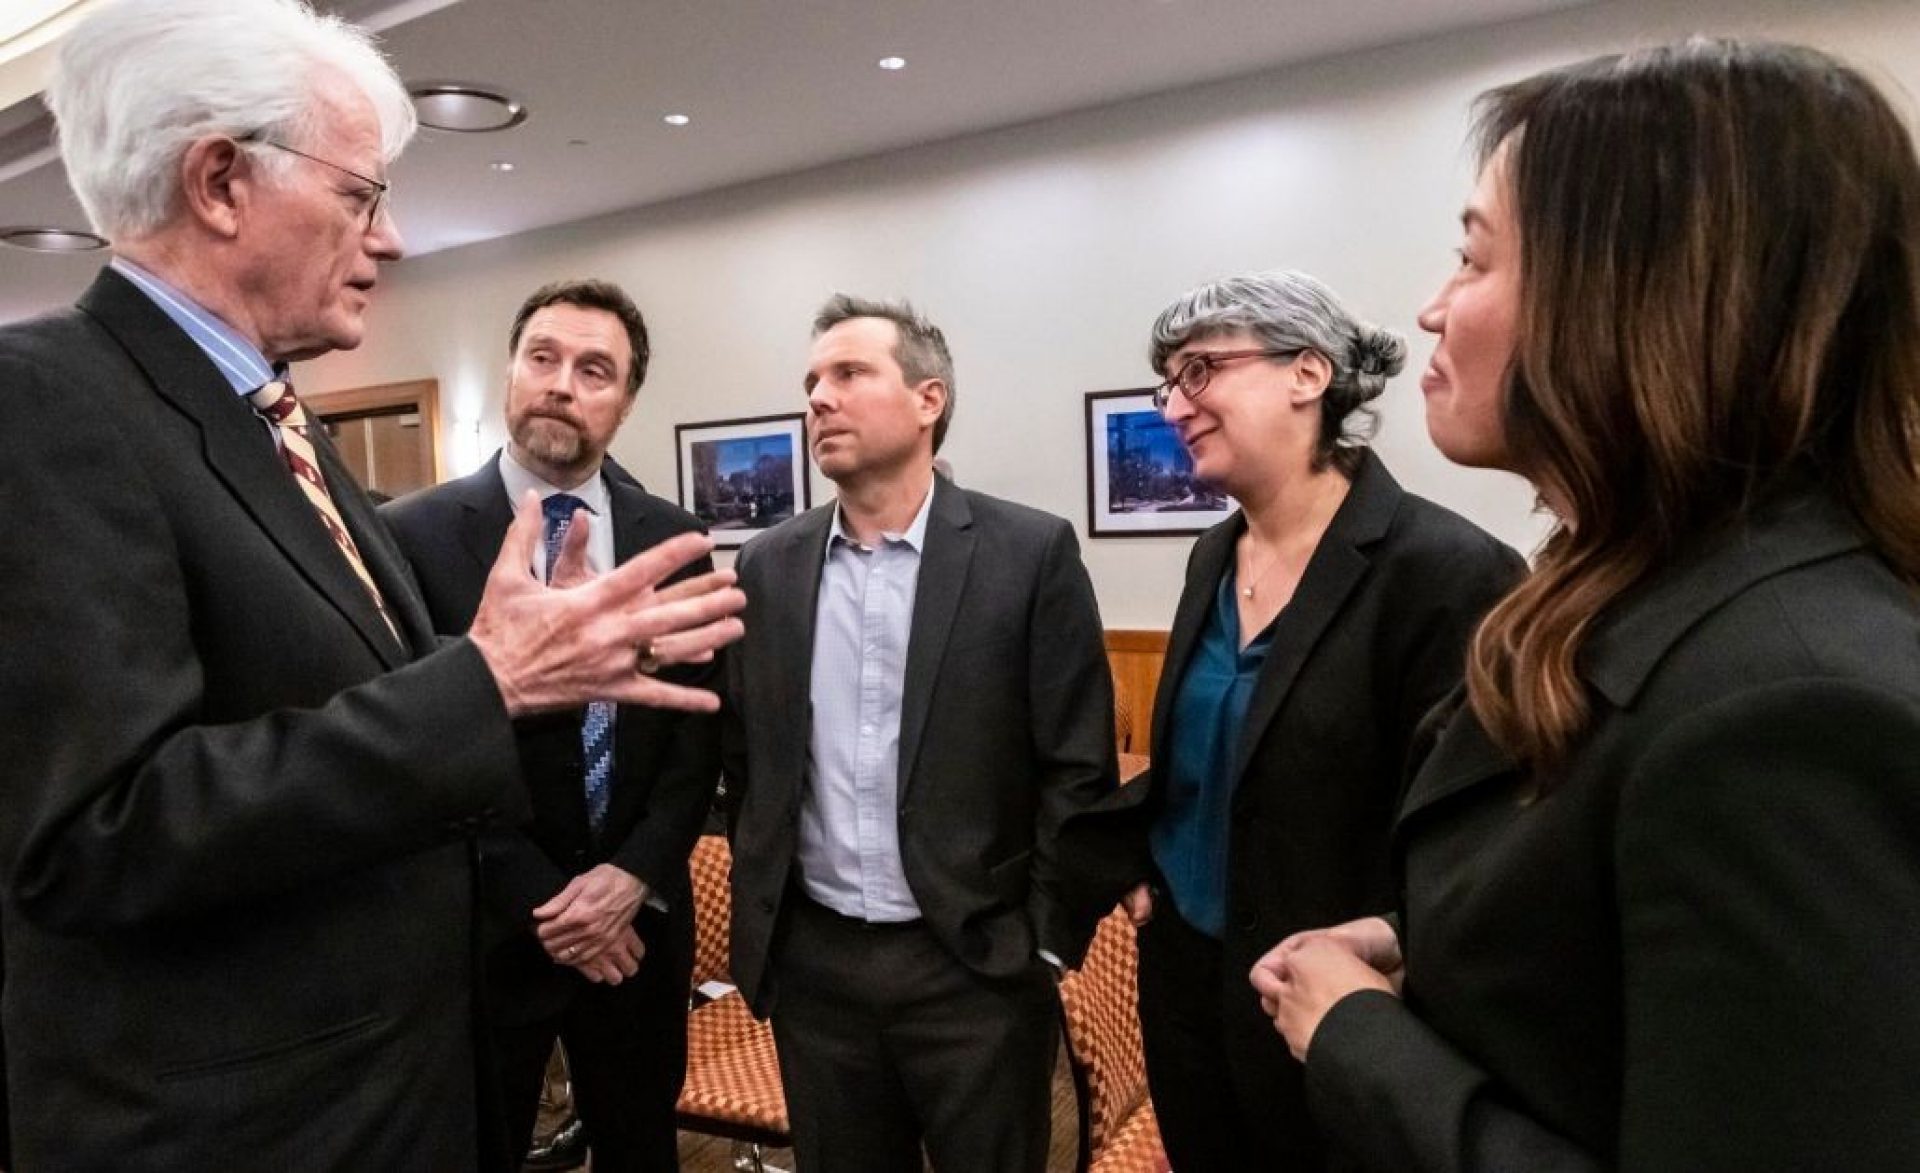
374	197
1194	374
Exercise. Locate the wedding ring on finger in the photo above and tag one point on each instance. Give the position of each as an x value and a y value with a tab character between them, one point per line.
648	661
572	951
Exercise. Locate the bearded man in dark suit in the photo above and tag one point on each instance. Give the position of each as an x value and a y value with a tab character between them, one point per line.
598	878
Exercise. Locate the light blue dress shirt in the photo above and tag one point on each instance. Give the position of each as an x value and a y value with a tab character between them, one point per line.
849	849
592	492
239	360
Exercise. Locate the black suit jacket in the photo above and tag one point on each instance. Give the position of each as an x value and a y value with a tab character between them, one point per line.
238	900
666	763
1697	951
1006	737
1375	636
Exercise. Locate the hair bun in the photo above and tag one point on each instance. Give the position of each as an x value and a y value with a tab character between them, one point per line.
1379	353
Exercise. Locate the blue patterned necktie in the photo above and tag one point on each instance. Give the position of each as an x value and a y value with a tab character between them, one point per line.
596	731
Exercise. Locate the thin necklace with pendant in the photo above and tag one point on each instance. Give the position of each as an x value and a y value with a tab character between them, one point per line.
1246	591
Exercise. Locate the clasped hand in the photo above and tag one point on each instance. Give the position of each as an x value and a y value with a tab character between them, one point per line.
589	924
1301	978
584	637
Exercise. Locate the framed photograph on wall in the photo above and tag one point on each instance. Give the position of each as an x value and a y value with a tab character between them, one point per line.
743	476
1140	482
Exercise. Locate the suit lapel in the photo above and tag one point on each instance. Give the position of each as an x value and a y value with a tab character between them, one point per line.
383	562
1338	564
485	514
1463	757
240	451
787	574
943	579
637	525
1204	568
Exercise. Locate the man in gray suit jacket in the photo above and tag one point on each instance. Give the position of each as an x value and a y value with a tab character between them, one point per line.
920	760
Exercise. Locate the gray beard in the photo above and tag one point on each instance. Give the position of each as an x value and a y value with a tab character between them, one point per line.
549	441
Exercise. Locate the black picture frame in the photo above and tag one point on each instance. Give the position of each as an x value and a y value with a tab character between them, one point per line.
1140	481
743	476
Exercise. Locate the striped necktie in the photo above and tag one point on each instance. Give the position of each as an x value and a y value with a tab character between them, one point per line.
275	401
596	728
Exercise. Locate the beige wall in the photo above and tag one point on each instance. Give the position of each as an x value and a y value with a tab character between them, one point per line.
1045	251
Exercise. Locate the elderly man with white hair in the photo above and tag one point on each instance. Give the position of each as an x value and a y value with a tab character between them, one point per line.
240	772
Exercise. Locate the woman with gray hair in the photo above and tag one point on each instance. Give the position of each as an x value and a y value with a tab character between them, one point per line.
1318	624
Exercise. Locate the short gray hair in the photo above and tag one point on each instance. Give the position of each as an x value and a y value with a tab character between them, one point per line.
1290	310
139	81
921	350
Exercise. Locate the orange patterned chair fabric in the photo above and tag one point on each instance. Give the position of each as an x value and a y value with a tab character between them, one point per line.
1101	1007
733	1076
711	865
733	1073
1136	1147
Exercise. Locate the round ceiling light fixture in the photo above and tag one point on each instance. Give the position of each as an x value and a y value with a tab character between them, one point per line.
676	119
469	109
52	240
893	64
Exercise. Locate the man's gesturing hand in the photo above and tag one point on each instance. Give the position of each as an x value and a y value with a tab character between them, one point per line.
552	647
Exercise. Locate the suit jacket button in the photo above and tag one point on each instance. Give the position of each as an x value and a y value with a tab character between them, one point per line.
766	905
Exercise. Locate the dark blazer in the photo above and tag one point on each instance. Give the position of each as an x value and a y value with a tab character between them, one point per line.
1006	737
235	811
1697	951
1375	635
666	763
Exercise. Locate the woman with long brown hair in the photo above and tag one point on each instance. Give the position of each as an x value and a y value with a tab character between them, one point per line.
1661	867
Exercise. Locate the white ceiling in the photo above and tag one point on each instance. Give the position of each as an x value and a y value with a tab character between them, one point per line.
772	86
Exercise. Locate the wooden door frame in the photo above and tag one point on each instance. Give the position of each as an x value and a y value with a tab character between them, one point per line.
422	394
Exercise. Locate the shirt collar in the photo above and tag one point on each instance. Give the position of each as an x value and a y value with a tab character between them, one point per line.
239	360
915	535
592	492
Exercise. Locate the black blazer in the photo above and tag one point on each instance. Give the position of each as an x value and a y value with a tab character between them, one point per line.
666	764
1006	737
1697	951
1375	635
238	900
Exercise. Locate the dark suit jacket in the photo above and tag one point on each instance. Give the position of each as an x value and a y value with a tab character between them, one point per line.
666	764
1375	635
238	900
1006	737
1697	951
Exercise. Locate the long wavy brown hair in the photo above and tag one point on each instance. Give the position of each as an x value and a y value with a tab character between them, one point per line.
1720	294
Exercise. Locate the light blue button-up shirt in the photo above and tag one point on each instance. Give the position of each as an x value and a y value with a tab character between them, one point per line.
239	360
849	848
592	493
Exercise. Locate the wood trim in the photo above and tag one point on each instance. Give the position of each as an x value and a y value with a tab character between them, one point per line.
422	395
1135	657
1120	639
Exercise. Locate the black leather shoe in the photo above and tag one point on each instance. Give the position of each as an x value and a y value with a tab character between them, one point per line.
565	1149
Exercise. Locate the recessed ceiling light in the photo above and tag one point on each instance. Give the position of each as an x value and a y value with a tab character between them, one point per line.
676	119
52	240
469	109
501	165
893	64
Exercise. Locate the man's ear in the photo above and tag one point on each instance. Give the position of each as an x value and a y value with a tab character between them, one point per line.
1311	373
933	399
217	183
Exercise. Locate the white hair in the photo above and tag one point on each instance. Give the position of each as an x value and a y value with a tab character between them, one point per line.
139	81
